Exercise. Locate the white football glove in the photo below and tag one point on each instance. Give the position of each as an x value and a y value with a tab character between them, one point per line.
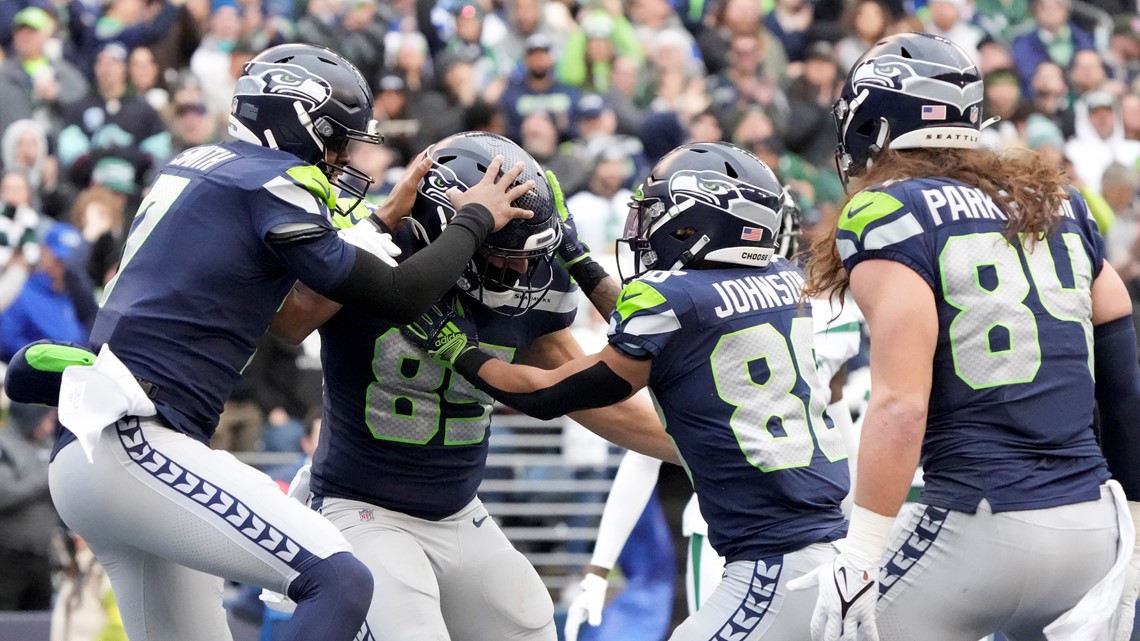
587	605
845	607
366	235
1125	614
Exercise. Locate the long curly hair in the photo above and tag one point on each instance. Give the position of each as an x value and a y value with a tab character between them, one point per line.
1026	188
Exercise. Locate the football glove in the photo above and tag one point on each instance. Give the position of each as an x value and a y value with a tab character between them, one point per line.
443	332
572	249
367	235
587	605
845	607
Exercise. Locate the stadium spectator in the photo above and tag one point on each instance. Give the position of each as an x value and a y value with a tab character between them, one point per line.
537	89
866	22
112	124
1052	37
951	20
33	85
623	93
600	208
98	214
401	127
1099	139
53	303
733	18
539	138
361	38
809	133
993	55
146	78
590	52
1087	72
27	517
490	69
744	82
1002	18
1120	187
1002	99
1050	96
24	147
791	22
1130	116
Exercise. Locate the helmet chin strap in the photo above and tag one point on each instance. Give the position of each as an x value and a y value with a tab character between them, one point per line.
689	254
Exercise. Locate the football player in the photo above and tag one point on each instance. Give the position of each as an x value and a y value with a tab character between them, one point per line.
405	440
837	337
990	308
216	245
718	333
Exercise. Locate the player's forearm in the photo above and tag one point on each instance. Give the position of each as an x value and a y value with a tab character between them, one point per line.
1118	398
605	295
889	449
584	383
303	312
402	293
632	424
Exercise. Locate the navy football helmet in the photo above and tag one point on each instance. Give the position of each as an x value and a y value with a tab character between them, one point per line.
512	271
909	91
308	101
708	201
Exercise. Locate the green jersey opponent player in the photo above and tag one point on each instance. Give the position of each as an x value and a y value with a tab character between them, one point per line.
720	337
404	440
217	244
990	308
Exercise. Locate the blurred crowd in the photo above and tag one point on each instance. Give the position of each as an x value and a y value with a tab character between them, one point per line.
96	95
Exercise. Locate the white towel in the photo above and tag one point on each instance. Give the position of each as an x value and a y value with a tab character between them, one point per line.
1091	618
91	397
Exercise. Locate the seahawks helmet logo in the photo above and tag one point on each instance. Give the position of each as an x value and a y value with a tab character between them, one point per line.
281	79
920	79
434	187
730	195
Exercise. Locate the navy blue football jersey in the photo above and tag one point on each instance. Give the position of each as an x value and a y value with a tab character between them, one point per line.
403	431
1011	406
734	377
199	283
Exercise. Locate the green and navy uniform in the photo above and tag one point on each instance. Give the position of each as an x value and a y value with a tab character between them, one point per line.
734	377
222	235
1009	455
403	447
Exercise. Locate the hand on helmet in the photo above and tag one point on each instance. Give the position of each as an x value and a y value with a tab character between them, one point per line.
443	332
498	195
403	196
572	249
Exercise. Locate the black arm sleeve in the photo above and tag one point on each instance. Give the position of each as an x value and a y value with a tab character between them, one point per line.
401	294
1118	400
595	386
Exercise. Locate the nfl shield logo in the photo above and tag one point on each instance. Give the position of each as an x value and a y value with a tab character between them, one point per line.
974	114
366	515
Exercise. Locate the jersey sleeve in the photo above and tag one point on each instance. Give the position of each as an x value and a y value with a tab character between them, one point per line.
882	223
644	321
1090	232
297	199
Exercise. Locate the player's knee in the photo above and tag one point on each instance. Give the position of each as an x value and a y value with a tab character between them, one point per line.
515	591
341	574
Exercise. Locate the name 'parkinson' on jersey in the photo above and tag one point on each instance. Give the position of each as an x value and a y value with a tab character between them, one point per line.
1015	330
